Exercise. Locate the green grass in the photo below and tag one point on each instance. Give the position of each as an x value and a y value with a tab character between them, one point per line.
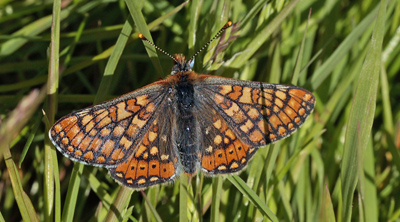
342	165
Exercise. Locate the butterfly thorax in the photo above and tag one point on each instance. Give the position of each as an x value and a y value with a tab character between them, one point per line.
182	80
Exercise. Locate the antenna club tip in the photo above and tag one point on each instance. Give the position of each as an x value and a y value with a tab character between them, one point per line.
141	36
228	24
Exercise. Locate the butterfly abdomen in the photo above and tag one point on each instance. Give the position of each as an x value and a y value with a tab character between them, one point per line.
186	133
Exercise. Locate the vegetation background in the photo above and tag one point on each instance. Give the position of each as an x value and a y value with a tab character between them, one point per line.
342	165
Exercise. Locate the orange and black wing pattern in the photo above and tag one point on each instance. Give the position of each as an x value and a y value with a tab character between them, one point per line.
155	160
106	134
248	115
221	150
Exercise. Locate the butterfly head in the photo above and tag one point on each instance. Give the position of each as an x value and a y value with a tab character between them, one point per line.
181	65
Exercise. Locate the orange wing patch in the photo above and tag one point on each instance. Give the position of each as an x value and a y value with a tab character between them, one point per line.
152	162
223	151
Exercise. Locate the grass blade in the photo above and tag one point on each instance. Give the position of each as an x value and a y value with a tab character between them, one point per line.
183	198
249	193
261	37
362	115
24	203
324	70
137	15
52	200
216	198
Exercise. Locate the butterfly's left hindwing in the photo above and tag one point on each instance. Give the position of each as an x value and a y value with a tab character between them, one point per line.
105	134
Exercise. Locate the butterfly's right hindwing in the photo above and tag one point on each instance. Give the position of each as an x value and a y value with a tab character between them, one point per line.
156	159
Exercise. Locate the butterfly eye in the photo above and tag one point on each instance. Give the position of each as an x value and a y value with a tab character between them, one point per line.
191	63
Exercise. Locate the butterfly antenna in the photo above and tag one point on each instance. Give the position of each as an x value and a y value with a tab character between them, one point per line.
227	25
141	36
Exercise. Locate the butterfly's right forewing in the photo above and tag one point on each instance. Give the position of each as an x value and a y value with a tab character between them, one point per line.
105	134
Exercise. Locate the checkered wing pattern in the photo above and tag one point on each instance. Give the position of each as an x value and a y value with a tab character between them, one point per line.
155	160
106	134
221	150
247	115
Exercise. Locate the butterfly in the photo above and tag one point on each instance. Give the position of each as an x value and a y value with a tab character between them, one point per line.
182	124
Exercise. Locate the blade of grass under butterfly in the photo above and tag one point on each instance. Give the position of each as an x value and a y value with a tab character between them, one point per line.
72	193
216	198
151	206
362	115
255	173
249	193
96	186
183	192
119	203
